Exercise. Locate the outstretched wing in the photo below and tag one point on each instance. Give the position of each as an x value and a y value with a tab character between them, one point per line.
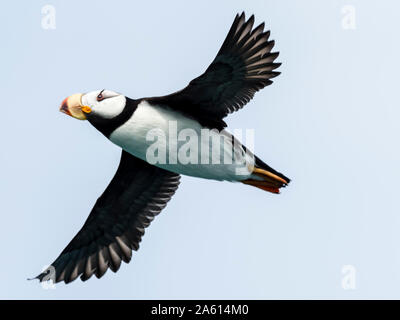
136	194
243	65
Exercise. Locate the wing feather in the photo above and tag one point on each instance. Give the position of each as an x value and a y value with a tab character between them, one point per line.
115	226
244	65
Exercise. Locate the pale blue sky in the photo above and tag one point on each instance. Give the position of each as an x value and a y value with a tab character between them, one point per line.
329	121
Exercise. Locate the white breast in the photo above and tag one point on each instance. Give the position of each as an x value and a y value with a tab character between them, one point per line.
148	120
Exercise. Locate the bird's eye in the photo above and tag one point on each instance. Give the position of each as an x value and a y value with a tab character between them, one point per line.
100	96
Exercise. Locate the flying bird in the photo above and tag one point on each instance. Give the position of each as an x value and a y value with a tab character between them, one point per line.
140	190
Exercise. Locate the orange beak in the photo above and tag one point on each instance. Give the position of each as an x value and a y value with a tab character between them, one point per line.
73	107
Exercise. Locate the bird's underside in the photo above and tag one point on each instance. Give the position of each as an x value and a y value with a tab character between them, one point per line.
139	190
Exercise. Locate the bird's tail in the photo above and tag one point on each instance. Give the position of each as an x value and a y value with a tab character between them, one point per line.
266	178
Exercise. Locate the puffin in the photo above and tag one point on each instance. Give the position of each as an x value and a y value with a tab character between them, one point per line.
154	154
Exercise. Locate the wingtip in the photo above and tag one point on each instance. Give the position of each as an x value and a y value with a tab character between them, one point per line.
276	53
274	74
30	279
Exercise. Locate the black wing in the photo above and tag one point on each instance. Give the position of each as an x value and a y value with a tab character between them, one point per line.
243	65
137	193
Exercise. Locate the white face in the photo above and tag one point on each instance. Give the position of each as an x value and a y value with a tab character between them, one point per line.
106	104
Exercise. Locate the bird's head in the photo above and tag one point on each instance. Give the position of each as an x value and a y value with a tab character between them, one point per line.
95	105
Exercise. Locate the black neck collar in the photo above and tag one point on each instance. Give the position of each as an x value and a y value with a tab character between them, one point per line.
108	126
